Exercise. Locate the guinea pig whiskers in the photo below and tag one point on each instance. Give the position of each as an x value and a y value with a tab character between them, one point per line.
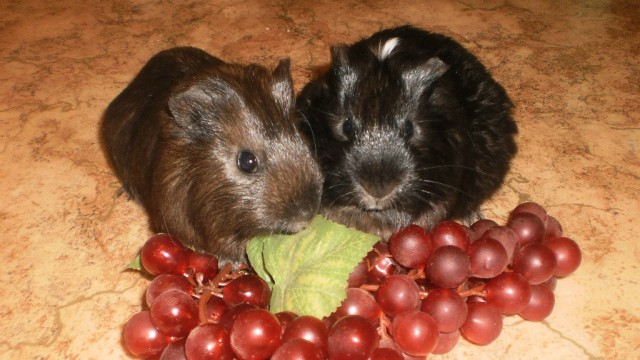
324	112
455	188
435	167
164	219
313	136
342	196
427	196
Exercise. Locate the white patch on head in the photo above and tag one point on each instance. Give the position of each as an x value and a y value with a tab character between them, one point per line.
384	50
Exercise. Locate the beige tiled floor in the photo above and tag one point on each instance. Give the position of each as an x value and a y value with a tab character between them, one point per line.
573	70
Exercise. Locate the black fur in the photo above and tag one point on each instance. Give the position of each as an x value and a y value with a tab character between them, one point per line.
417	134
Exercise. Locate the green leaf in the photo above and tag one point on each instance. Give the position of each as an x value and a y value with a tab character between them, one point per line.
254	253
135	264
309	270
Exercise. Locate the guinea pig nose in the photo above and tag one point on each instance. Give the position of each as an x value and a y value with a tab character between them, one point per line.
379	188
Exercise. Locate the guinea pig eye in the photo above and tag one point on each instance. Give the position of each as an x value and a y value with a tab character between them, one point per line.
247	161
408	129
347	128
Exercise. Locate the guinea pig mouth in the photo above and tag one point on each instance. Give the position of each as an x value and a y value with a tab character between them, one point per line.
371	203
377	195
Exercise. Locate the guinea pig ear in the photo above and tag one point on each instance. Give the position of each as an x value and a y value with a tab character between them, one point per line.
189	110
342	69
418	79
282	85
340	55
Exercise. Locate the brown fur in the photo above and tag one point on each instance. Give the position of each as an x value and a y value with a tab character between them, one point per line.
173	137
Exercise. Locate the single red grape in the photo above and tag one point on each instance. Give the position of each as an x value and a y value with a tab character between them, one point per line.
381	270
540	305
208	342
141	337
397	294
567	253
551	283
174	313
386	354
446	342
166	282
487	257
411	246
536	262
380	264
215	309
229	317
450	233
255	335
446	307
352	338
509	291
528	227
308	328
298	349
175	351
554	228
533	208
202	263
415	332
331	319
478	228
358	276
163	254
474	299
448	267
285	318
505	236
360	302
248	288
483	324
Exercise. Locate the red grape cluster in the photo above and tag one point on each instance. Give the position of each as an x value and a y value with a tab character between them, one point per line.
197	312
414	295
423	290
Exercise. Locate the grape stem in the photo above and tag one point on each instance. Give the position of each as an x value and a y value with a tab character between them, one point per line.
475	291
370	287
191	277
415	274
383	331
202	306
222	274
208	291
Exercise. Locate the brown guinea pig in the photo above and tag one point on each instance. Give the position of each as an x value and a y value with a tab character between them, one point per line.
211	150
409	127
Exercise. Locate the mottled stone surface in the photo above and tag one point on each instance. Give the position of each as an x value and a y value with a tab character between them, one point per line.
572	69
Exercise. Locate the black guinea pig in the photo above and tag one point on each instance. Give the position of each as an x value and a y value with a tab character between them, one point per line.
212	150
408	127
